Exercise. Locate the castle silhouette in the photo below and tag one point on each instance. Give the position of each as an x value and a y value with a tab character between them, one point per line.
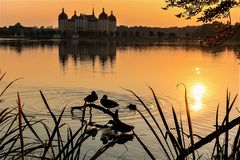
88	23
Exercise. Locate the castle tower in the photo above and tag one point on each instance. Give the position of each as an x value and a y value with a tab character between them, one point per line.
62	21
112	23
103	21
74	22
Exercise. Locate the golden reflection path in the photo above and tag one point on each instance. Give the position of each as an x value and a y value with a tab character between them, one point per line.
198	90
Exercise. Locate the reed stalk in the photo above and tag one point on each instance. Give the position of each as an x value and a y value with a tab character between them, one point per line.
20	125
189	120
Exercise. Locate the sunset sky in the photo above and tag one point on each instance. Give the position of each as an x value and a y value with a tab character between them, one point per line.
128	12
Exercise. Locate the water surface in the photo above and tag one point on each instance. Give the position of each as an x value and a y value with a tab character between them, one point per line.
67	71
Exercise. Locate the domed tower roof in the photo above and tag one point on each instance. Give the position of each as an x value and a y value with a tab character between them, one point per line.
81	16
112	17
103	15
63	15
74	17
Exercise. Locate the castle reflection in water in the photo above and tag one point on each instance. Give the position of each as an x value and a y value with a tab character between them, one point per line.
104	52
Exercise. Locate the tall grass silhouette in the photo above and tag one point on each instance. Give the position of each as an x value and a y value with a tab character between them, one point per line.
175	141
20	139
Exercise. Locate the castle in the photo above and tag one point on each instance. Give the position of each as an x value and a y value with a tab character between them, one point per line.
87	23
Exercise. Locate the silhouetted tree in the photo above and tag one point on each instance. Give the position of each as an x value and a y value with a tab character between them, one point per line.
95	33
111	34
160	34
124	33
172	35
64	34
99	33
210	10
195	35
137	34
236	37
80	33
104	33
187	35
117	33
151	34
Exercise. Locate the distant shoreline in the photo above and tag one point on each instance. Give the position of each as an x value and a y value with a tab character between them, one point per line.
121	41
86	39
122	33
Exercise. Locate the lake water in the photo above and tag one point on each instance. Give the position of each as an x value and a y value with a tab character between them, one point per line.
67	71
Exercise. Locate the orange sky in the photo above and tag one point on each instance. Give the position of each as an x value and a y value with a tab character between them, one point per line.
128	12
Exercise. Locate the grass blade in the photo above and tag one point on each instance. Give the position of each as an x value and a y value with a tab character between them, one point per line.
144	146
178	130
163	120
57	122
181	123
227	121
2	76
49	110
149	112
211	136
189	119
70	142
31	128
4	90
20	125
155	134
217	144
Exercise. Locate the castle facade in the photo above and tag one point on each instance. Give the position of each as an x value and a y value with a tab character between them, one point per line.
87	23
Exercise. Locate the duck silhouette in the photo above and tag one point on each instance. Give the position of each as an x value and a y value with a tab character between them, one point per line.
108	103
107	134
119	126
132	107
88	99
91	98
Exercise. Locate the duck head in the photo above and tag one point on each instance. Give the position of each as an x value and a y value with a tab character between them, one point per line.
93	93
104	97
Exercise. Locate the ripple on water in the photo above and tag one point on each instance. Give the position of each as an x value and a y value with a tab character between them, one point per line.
58	98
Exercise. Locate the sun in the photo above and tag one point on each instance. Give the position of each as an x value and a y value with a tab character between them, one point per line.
198	91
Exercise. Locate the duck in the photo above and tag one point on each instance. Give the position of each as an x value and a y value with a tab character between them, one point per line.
132	107
119	126
88	99
107	134
91	98
108	103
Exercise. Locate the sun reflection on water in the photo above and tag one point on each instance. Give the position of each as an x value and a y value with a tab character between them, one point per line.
198	91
